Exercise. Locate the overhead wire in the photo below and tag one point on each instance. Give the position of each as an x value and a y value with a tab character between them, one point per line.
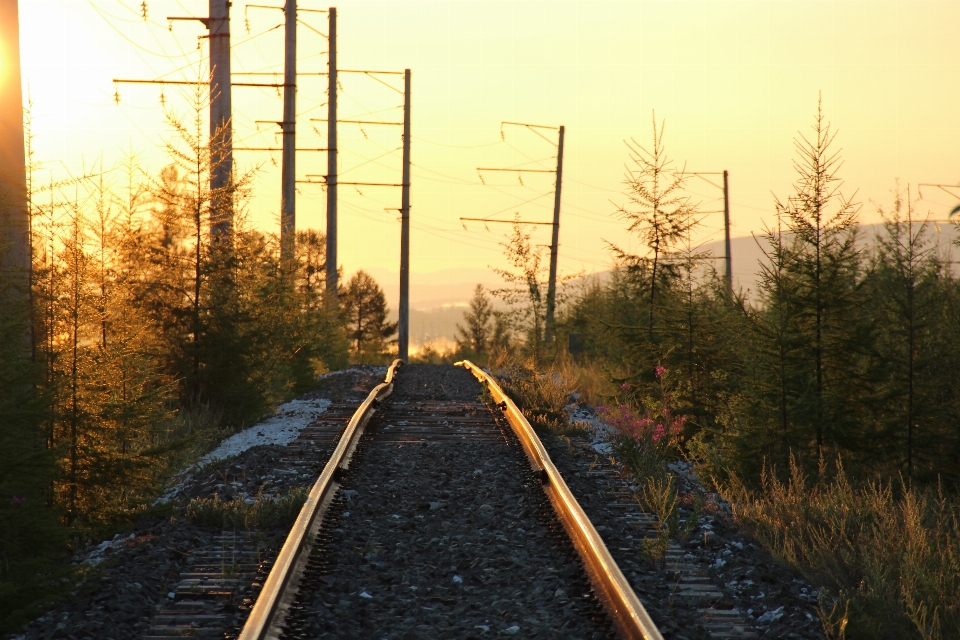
455	146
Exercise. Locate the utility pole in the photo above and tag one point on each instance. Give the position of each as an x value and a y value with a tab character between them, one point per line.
221	135
331	179
288	193
217	23
555	242
555	239
15	258
727	255
403	335
726	231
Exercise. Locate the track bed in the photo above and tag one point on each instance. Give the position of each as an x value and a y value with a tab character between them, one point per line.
441	530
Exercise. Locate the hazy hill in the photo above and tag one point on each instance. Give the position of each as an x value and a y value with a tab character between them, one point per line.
438	298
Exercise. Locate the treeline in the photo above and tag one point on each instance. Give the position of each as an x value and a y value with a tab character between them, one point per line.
155	322
824	406
849	348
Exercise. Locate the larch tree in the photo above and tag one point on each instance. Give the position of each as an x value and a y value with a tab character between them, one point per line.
658	211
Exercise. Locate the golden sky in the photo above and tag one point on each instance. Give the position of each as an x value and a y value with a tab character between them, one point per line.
734	80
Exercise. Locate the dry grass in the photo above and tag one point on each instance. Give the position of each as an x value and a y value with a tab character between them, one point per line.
886	556
275	512
541	391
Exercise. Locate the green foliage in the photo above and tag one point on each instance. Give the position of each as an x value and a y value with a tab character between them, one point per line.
261	514
848	350
659	212
525	294
152	338
541	395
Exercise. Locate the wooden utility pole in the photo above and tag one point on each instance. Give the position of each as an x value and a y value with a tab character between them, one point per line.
555	242
288	187
15	258
221	134
728	258
331	179
403	335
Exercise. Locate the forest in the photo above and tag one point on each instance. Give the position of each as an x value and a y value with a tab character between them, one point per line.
824	405
151	338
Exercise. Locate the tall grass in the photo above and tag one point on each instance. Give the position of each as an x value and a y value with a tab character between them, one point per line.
541	391
274	512
887	556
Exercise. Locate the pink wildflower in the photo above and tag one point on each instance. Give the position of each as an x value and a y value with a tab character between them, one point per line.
625	386
660	370
18	501
658	433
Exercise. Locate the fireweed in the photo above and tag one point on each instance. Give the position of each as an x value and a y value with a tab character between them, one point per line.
648	434
652	428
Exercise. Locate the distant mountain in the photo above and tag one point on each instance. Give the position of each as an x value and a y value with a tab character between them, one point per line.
439	298
747	251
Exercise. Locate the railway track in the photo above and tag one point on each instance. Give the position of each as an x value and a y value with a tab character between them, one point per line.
438	515
436	520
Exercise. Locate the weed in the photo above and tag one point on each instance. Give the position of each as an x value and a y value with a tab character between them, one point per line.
541	395
277	512
889	552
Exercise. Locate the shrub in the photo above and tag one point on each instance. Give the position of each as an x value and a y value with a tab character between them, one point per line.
540	394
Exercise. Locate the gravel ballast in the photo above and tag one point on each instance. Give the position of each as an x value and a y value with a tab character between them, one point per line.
445	539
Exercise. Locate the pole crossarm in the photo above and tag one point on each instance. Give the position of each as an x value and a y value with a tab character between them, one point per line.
514	170
205	21
550	224
323	180
276	73
395	124
535	126
943	187
276	149
379	73
700	174
194	83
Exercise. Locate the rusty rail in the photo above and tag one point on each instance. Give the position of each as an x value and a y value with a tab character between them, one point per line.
611	586
266	618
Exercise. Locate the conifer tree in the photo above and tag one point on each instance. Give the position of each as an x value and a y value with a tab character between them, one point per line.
658	211
365	312
826	263
905	287
475	338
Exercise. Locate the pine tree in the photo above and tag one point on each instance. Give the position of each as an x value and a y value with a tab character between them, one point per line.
525	292
905	287
365	312
475	338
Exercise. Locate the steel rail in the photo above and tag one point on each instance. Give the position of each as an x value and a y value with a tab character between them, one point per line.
279	589
629	616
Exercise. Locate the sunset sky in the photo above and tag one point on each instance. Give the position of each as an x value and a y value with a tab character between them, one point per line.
735	82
